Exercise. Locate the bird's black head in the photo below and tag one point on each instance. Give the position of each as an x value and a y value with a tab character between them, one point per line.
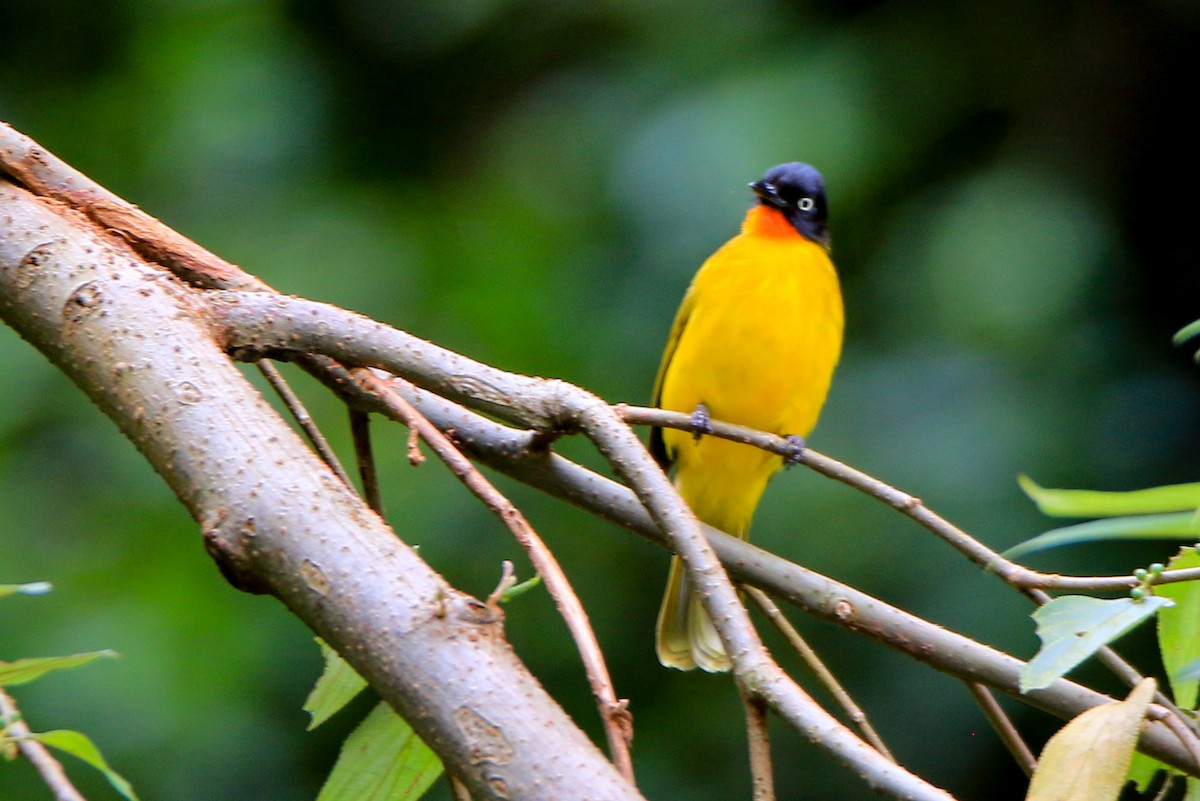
798	191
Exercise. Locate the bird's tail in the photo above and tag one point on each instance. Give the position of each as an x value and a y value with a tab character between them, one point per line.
686	637
722	482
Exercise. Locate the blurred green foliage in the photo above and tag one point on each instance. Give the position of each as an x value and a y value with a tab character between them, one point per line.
533	183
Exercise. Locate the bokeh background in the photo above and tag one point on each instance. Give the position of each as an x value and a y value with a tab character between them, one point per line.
533	182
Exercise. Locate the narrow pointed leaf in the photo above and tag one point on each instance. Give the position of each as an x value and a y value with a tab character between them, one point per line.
338	685
1186	333
80	745
1094	503
32	588
382	760
1179	630
1177	525
1073	627
24	671
1088	759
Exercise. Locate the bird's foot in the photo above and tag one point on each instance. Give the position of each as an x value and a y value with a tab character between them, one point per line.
701	422
794	446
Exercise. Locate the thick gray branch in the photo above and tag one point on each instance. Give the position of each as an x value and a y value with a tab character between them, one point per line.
135	340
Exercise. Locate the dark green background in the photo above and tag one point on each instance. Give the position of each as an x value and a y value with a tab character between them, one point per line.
533	183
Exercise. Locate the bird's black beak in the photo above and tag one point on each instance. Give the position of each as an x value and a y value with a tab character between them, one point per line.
767	193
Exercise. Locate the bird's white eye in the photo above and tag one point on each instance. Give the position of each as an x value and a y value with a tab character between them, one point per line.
805	204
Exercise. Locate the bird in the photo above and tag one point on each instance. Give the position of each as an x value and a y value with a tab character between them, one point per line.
755	342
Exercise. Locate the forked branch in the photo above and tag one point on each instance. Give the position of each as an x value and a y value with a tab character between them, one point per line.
52	293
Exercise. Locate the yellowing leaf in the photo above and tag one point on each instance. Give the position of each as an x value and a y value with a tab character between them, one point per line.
1088	759
1073	627
1179	630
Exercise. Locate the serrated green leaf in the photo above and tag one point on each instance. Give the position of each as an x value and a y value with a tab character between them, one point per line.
1073	627
1094	503
1179	630
32	588
1179	525
24	671
80	745
337	687
382	760
1088	759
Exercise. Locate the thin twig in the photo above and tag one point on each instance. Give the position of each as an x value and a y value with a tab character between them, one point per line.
1004	726
1012	573
614	713
303	419
508	580
758	739
415	457
823	674
360	432
1185	733
50	769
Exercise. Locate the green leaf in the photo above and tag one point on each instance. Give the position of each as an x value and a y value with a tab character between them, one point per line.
382	760
77	744
1187	333
1179	630
1088	759
33	588
1179	525
1190	671
24	671
1073	627
1093	503
337	687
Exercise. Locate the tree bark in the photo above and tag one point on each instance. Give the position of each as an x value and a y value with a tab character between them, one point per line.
276	520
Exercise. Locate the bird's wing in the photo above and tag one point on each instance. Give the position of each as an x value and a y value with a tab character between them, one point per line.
658	448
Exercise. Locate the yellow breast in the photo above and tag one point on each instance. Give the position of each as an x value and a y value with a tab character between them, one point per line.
758	337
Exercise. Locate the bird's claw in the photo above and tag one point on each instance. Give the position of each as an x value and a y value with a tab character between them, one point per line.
701	422
794	446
